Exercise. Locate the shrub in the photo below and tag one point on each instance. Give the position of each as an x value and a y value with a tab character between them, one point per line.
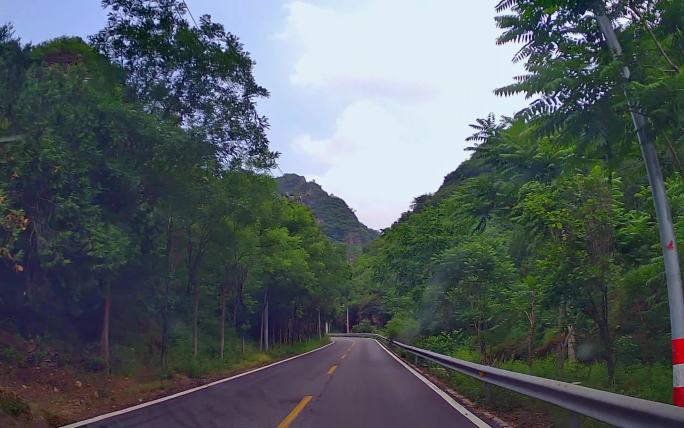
402	328
54	419
196	369
364	326
13	405
444	343
627	350
9	355
94	365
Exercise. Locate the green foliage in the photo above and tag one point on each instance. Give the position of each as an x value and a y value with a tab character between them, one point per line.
135	212
402	328
197	76
364	326
541	250
94	365
9	355
446	343
11	404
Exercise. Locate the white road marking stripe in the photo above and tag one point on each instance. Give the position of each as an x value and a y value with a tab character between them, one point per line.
455	404
678	375
159	400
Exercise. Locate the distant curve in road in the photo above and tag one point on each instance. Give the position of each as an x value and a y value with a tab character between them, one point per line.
352	383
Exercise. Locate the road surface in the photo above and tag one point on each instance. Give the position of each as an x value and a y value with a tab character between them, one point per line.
352	383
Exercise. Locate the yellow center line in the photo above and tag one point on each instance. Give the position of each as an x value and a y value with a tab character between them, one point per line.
295	412
332	369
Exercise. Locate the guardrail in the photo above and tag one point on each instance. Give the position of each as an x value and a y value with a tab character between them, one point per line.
615	409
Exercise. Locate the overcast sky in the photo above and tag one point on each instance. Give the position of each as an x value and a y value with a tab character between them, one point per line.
370	98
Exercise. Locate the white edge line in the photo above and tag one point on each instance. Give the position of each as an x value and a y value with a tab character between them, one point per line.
170	397
455	404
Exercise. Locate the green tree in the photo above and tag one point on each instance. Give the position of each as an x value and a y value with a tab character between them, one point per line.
198	76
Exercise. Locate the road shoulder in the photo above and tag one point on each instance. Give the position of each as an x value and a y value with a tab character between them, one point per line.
192	390
471	416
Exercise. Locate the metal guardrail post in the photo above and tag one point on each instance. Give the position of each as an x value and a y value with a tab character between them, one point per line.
574	421
488	392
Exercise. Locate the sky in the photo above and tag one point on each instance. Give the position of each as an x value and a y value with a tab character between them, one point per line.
369	98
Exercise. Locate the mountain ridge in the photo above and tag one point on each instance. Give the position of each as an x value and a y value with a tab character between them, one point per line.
337	220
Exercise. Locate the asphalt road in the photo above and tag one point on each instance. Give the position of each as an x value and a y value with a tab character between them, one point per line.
351	383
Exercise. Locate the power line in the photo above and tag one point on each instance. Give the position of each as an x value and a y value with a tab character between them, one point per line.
190	13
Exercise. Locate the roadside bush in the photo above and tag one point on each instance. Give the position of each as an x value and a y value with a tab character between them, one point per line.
402	328
13	405
627	350
54	419
364	326
444	343
94	365
9	355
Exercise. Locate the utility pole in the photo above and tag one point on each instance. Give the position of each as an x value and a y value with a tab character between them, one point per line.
664	218
320	332
347	318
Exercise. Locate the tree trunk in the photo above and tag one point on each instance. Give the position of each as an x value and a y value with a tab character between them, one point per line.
104	335
606	337
261	332
195	319
530	332
266	338
320	332
223	320
481	341
167	286
561	332
572	357
235	312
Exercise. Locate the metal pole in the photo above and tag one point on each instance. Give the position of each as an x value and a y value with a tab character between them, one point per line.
347	318
665	227
574	420
488	392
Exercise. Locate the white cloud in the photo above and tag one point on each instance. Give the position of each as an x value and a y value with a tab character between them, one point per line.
411	76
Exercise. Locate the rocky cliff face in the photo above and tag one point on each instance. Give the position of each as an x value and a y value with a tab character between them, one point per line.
337	220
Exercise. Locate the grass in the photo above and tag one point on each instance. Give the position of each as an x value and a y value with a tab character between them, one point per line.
136	362
13	405
135	374
646	381
236	360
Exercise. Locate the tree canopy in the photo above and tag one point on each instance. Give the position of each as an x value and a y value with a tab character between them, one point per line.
135	210
545	239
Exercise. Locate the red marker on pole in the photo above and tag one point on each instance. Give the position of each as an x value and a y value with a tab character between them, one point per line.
678	372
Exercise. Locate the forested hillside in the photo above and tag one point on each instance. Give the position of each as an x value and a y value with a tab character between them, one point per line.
543	248
334	216
137	231
144	245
